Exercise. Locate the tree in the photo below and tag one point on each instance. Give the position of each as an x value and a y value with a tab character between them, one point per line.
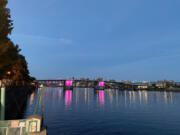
8	52
8	57
12	64
6	24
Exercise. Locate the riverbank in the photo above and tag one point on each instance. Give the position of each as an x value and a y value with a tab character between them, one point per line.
16	99
159	89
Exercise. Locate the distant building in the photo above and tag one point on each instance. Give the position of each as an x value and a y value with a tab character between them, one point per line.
126	82
84	79
143	85
161	84
112	81
177	84
165	83
98	79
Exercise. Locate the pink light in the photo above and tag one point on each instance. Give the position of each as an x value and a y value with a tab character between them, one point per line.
68	97
101	97
68	82
101	83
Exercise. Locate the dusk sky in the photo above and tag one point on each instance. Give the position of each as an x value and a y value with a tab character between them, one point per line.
115	39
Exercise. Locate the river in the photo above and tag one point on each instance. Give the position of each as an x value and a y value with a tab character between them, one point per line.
87	111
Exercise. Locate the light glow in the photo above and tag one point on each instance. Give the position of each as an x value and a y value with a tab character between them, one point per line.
68	97
68	82
101	97
101	83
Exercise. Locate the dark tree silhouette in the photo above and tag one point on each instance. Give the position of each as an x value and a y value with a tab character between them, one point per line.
12	64
5	21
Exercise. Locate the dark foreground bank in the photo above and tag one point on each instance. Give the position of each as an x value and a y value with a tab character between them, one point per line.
16	101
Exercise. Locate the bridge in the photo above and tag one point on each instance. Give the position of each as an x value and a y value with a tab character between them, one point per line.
70	84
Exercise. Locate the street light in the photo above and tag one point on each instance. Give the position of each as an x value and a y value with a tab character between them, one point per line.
8	74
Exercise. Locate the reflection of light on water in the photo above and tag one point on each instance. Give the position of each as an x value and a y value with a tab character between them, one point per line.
165	97
60	91
130	97
101	97
158	96
110	94
125	97
133	96
77	96
85	95
117	95
145	95
54	94
47	93
31	98
89	97
68	97
140	96
171	98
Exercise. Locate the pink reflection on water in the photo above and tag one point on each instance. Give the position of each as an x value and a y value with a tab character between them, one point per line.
68	82
68	97
101	97
101	83
47	93
54	94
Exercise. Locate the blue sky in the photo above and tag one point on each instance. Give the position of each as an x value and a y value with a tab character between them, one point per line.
116	39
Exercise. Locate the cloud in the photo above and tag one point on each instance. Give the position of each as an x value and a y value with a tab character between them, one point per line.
42	39
66	41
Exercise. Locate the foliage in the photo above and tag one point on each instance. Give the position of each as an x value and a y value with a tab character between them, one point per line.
5	22
12	64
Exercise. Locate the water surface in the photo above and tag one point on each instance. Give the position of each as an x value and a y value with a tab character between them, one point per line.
106	112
